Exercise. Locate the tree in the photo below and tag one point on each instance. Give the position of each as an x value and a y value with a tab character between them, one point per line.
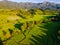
1	43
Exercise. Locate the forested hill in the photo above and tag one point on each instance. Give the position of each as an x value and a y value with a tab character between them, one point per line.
29	5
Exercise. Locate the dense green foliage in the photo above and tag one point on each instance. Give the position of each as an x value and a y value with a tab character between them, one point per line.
29	27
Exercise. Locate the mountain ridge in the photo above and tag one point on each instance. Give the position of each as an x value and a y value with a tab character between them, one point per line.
29	5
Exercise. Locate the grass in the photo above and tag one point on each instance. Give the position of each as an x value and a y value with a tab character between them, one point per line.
9	18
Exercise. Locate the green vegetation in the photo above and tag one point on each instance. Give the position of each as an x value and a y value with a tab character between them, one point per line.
29	27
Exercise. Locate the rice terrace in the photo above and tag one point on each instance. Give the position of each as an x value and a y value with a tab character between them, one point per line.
29	22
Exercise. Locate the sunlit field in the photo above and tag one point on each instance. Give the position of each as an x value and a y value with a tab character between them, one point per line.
29	27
